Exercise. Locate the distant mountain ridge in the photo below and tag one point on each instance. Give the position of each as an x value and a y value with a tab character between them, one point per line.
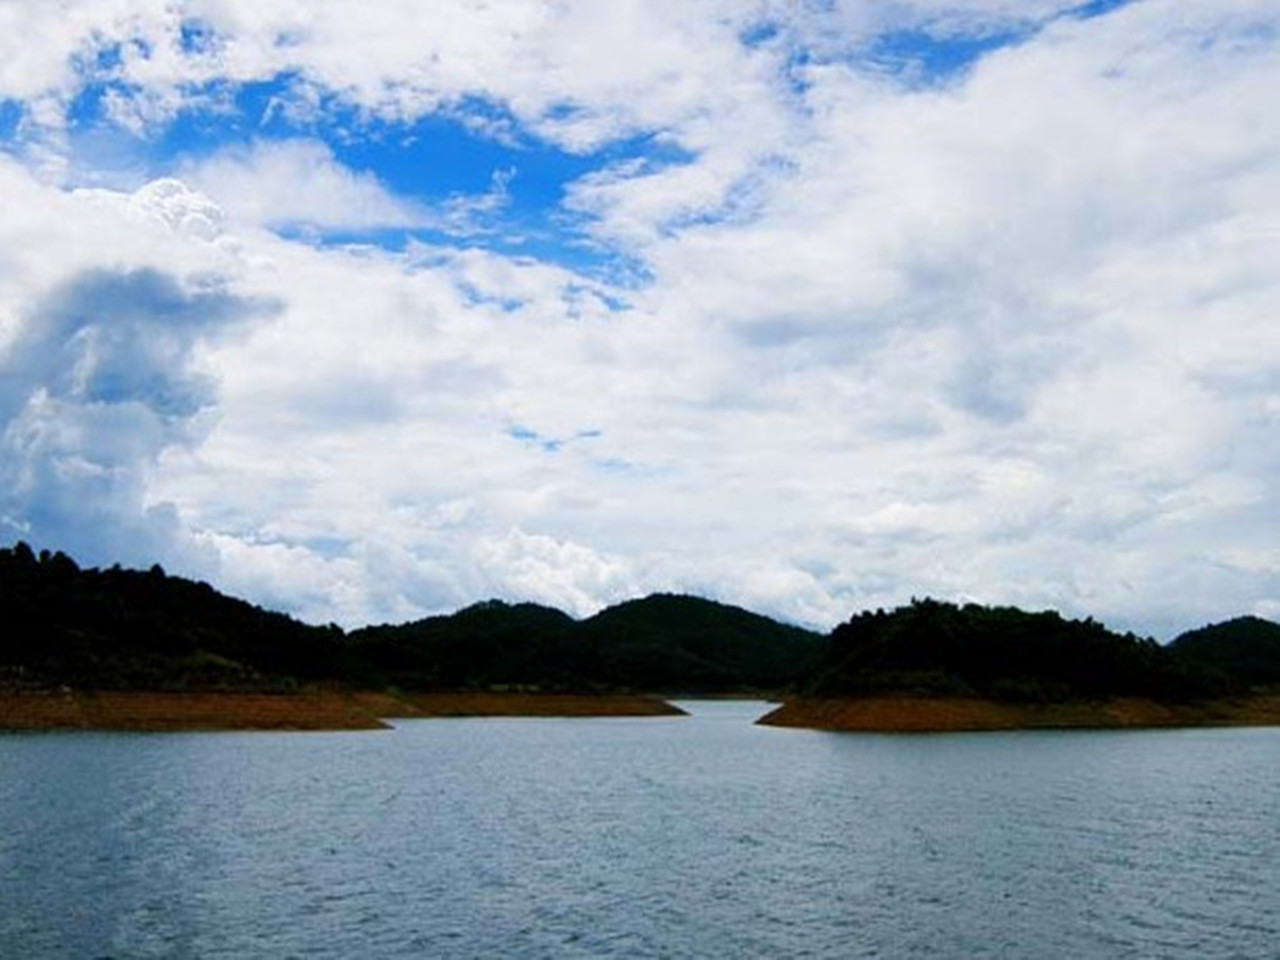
661	642
144	630
128	629
930	648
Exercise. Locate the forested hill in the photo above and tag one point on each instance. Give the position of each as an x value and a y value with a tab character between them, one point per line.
1246	649
663	642
1000	653
129	629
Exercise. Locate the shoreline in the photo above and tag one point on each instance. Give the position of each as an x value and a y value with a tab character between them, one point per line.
151	711
444	705
146	711
906	714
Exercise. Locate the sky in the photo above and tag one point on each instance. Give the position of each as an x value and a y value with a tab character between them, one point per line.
369	311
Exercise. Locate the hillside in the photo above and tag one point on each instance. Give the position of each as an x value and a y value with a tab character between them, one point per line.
662	642
133	630
925	665
1245	650
670	642
127	629
998	653
935	667
487	644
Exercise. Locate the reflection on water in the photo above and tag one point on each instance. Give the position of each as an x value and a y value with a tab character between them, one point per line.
700	836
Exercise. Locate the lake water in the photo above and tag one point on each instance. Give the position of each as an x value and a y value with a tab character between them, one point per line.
692	837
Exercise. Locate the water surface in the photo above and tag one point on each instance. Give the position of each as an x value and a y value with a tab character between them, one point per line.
690	837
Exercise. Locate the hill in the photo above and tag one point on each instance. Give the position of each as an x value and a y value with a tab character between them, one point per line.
999	653
673	642
662	642
127	629
934	666
1245	650
146	630
488	644
928	665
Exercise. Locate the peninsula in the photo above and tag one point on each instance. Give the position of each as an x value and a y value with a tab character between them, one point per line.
938	667
143	650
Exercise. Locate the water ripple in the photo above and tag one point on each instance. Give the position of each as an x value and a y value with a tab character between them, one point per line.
704	837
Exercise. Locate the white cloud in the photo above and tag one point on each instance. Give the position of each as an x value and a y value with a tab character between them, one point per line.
299	183
614	69
167	203
1008	338
98	383
569	576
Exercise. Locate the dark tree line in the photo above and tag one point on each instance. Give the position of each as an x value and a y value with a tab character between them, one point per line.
122	629
1002	653
660	643
130	629
1245	650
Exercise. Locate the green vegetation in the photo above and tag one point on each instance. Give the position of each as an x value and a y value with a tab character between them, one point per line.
487	645
675	643
663	642
1245	650
1001	653
125	629
131	630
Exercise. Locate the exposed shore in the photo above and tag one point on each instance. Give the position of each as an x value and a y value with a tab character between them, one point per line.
905	714
147	711
532	705
155	711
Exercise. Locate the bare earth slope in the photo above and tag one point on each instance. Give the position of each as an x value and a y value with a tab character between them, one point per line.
142	711
905	714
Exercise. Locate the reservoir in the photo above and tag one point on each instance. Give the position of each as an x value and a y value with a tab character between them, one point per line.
702	836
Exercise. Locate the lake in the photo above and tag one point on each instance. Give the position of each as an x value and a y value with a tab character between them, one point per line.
685	837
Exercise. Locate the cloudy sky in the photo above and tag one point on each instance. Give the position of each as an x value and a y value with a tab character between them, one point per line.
366	311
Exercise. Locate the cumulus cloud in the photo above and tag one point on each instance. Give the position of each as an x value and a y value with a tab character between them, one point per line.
96	386
566	575
300	186
577	71
298	183
998	327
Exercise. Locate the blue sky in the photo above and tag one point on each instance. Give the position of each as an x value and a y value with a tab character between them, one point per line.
472	145
471	149
809	307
